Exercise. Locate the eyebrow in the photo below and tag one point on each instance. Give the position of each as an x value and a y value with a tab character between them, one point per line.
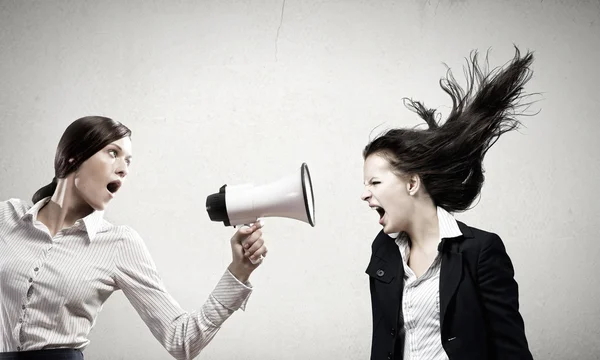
121	149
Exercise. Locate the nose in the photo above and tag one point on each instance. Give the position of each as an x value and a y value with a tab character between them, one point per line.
122	169
366	195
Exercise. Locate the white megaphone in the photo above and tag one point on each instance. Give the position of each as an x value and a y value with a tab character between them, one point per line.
290	197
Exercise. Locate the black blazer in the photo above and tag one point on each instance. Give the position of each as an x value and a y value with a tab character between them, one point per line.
479	300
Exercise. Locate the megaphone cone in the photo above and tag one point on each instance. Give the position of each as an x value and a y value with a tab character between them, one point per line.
289	197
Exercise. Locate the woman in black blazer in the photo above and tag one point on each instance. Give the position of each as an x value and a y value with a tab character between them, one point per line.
441	289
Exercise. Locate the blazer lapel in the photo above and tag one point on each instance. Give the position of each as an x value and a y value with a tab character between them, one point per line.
450	275
451	269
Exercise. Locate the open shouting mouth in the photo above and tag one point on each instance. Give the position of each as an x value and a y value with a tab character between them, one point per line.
113	186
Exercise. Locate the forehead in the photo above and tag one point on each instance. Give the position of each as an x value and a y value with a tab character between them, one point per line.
375	165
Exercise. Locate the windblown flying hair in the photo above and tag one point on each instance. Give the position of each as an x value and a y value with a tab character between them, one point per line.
448	156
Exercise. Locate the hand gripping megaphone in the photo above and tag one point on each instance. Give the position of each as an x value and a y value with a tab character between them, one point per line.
289	197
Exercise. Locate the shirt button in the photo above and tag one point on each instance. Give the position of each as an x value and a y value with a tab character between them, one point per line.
18	348
389	356
36	269
23	307
21	320
380	272
30	279
393	332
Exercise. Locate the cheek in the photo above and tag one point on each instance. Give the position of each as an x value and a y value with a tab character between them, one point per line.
398	205
81	185
94	171
86	181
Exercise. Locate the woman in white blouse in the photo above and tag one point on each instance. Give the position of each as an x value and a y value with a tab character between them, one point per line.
60	260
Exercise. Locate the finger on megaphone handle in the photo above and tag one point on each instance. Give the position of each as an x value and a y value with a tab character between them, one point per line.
248	230
259	223
257	261
253	244
242	233
261	252
251	239
244	229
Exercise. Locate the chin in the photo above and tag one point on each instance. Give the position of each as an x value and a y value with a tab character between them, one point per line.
98	206
388	231
391	230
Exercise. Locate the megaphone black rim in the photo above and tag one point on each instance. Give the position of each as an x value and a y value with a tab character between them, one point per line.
304	171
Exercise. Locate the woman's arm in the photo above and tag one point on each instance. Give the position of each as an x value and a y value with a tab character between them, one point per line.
500	295
183	334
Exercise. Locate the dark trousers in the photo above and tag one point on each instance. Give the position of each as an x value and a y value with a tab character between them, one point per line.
52	354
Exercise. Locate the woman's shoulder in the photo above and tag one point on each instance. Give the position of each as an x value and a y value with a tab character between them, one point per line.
131	246
127	235
472	231
14	206
479	238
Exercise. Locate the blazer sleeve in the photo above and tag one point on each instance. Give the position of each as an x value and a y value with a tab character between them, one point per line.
500	296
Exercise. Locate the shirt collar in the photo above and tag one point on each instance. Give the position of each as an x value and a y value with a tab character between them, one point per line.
33	211
92	222
448	225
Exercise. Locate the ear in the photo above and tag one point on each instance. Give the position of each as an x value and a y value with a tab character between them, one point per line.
75	168
413	184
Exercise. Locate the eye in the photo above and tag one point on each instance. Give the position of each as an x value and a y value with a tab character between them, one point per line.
376	182
113	153
128	162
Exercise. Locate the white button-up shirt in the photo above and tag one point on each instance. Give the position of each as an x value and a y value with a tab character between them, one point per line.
52	288
421	299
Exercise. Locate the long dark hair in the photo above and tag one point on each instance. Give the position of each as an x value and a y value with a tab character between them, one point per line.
83	138
448	157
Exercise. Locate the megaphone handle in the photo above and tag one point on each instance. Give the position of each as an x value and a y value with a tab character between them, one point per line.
260	259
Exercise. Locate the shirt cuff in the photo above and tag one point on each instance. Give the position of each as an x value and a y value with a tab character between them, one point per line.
232	293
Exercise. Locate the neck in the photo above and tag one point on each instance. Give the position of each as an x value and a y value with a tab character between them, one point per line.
424	231
64	208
